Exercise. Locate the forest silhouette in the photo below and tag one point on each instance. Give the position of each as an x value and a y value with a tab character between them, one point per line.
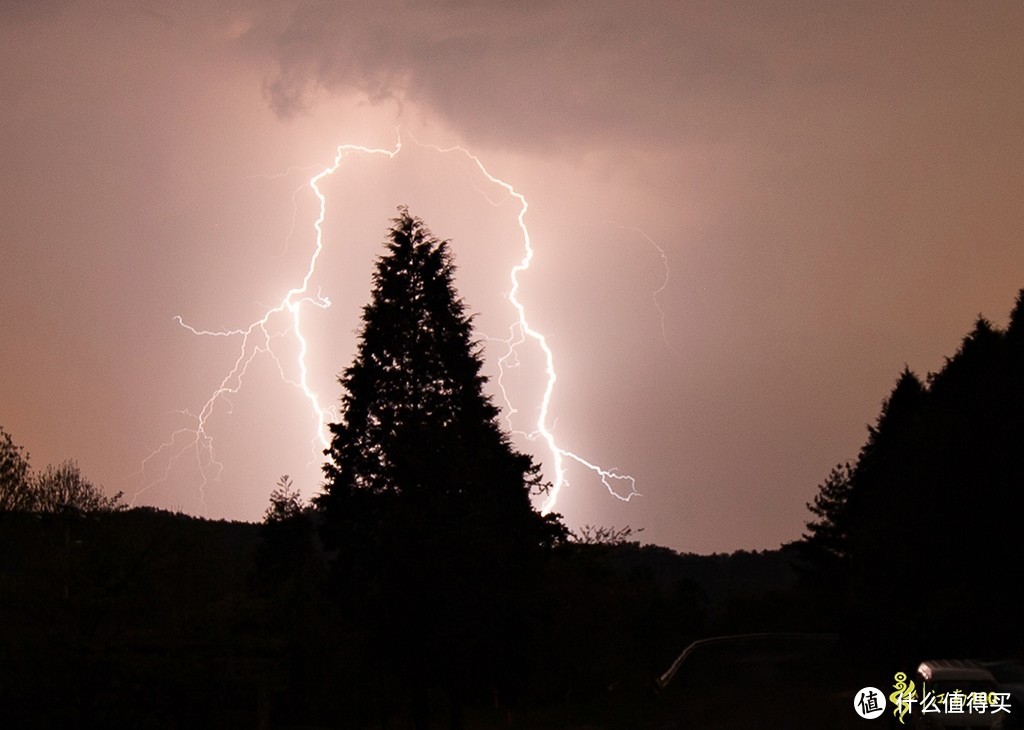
917	542
420	587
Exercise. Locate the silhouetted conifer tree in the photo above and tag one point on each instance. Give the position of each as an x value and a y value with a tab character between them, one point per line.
926	522
826	542
426	501
1015	330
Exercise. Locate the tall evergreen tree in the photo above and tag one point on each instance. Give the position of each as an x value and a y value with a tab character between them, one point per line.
926	521
425	500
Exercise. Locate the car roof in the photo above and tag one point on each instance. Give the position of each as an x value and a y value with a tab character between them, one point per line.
942	669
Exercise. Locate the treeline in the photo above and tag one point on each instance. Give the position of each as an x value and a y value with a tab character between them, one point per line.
135	618
915	547
145	618
55	489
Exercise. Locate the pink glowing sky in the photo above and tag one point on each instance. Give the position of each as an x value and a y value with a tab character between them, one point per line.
836	187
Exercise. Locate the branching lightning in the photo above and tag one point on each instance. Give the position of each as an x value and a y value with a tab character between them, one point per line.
664	284
518	333
195	442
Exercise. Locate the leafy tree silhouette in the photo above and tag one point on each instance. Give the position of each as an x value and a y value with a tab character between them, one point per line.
63	488
425	500
16	492
56	489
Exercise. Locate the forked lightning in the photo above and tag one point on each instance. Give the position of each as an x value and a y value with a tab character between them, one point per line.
196	443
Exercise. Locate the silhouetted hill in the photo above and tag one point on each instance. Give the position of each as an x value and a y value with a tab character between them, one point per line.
721	575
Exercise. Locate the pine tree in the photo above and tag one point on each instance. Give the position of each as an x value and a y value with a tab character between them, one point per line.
425	500
828	534
925	525
417	425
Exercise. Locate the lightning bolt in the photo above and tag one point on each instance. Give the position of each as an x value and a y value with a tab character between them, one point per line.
197	444
664	284
519	332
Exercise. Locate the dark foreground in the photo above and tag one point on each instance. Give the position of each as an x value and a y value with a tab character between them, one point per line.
146	619
154	620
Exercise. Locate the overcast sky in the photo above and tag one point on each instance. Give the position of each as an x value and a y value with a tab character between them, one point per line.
747	218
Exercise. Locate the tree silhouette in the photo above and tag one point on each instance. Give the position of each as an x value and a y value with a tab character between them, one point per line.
919	536
55	489
63	487
285	502
16	492
425	499
826	542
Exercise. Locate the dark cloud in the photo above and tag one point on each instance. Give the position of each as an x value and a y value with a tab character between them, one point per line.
526	75
598	72
21	11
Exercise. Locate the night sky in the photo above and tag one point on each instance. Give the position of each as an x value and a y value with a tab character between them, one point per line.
836	189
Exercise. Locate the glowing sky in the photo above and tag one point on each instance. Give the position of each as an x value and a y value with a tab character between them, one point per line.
836	187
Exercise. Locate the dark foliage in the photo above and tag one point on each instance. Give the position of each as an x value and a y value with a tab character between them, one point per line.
129	619
285	502
426	502
15	483
144	618
919	539
60	488
600	535
827	538
63	488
